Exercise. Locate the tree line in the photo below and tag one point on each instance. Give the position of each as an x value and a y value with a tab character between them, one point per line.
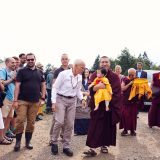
126	61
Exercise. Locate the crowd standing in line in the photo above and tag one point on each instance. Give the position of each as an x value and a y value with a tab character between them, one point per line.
71	102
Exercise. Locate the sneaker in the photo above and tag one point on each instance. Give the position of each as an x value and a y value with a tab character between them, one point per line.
10	134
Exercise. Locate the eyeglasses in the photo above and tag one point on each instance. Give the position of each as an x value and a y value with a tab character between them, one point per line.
30	60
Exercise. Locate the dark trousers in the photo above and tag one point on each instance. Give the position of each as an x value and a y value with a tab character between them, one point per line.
49	103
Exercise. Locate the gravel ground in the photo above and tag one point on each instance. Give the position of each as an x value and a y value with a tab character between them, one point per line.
145	146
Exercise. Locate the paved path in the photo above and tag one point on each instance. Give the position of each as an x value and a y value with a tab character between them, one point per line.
145	146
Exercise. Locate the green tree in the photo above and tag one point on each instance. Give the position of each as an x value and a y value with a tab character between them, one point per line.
48	67
1	61
126	61
113	63
140	58
96	63
155	67
147	63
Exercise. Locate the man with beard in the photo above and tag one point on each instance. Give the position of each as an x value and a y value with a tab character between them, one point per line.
30	87
102	127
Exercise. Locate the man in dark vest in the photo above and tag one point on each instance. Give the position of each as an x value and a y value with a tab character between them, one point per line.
140	74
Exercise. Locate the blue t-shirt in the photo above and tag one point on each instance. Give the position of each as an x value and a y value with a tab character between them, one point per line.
6	75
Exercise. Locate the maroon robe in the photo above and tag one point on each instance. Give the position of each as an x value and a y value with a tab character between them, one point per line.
128	109
154	112
102	127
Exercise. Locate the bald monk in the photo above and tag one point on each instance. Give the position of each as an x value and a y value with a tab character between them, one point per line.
129	107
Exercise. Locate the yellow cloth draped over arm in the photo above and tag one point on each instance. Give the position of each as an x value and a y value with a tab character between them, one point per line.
140	87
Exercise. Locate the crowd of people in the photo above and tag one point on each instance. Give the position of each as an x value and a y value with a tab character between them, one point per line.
81	101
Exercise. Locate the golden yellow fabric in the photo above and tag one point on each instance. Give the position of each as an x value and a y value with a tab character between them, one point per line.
40	110
140	87
102	94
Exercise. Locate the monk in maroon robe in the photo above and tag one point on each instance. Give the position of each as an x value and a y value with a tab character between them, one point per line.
154	112
129	107
102	127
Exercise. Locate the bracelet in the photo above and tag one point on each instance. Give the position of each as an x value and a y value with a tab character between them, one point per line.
15	101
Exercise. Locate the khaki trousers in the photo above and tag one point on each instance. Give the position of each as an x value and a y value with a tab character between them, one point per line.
26	111
65	116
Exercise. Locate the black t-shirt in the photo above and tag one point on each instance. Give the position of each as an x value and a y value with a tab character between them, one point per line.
30	87
57	71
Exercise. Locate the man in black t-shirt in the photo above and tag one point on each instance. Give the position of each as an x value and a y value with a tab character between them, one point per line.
30	87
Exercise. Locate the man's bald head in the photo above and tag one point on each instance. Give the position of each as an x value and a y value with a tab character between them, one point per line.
7	60
10	63
131	70
64	60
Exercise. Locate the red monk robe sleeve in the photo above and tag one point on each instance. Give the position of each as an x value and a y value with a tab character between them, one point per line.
92	78
156	79
115	103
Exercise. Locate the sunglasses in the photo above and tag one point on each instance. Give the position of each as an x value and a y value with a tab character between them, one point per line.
30	60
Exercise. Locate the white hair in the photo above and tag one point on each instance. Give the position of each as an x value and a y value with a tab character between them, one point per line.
118	66
78	62
131	69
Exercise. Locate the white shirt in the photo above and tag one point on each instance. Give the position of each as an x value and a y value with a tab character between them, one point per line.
67	84
139	72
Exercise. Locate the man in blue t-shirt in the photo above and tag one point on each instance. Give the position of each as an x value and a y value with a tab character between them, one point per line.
7	75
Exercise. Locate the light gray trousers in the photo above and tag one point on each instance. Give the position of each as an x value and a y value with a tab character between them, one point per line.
65	116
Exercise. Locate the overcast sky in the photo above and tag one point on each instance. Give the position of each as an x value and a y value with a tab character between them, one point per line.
81	28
